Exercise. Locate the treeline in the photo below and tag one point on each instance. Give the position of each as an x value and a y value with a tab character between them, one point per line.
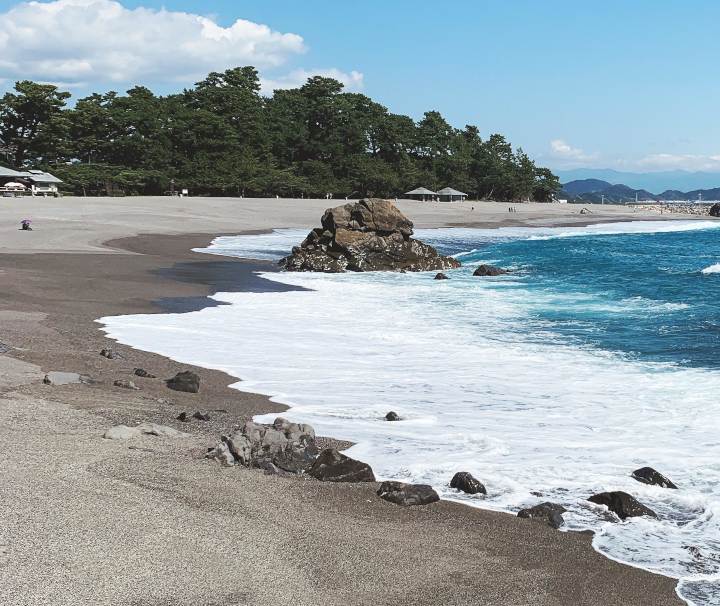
223	137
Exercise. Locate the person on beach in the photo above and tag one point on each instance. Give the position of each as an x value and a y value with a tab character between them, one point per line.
25	225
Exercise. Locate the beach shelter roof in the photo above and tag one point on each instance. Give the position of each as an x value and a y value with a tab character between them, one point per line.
8	172
449	191
421	191
39	176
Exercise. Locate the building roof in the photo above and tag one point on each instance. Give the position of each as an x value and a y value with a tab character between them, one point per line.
8	172
39	176
421	191
449	191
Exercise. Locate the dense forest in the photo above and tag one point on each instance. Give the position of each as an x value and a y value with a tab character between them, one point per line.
223	137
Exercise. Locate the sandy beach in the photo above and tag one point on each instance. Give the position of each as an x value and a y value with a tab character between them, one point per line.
150	521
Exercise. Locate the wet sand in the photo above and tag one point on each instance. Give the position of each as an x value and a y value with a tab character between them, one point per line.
150	522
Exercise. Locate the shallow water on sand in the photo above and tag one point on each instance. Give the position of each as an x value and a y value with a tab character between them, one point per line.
596	356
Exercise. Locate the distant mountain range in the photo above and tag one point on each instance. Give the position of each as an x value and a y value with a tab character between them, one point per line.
657	182
597	190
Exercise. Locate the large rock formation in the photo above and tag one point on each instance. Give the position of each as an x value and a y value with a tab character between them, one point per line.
715	210
370	235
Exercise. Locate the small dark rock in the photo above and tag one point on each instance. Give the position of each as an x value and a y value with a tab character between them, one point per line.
125	384
186	381
465	482
648	475
549	512
183	416
622	504
333	466
715	210
441	276
141	372
392	416
201	416
407	494
490	270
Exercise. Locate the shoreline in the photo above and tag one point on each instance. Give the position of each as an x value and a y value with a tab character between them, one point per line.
500	557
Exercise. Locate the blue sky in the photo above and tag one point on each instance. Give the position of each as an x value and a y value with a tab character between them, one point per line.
623	84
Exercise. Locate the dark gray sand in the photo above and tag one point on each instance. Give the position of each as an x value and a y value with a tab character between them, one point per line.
148	522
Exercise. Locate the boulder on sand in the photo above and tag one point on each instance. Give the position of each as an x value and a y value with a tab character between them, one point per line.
407	494
333	466
622	504
187	381
465	482
548	512
648	475
490	270
370	235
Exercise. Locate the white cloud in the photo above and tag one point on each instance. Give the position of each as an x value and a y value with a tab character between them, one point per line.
690	162
83	41
564	151
353	81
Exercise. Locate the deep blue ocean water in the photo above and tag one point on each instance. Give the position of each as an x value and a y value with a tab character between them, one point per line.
642	295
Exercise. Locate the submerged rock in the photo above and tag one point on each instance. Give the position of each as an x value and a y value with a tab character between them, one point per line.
622	504
441	276
186	381
547	512
490	270
392	416
333	466
465	482
407	495
370	235
648	475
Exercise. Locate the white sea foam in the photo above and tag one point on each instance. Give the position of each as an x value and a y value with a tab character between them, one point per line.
712	269
480	389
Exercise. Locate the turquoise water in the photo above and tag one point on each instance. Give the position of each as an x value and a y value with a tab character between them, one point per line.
643	295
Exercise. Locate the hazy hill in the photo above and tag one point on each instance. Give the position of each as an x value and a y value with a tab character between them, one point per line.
678	180
596	190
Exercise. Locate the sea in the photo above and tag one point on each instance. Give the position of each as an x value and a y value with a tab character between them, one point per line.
597	355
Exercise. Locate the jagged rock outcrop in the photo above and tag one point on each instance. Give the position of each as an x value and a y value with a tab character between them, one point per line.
370	235
715	210
283	445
